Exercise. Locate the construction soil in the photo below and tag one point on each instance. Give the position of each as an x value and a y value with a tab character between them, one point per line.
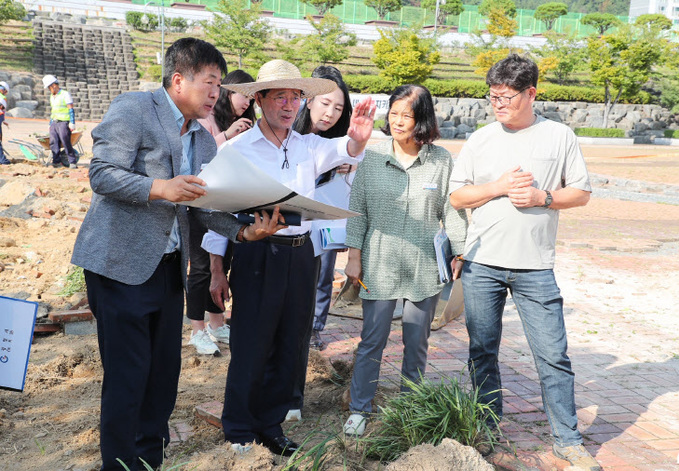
53	424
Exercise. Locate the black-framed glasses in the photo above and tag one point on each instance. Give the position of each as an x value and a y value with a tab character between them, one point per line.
502	100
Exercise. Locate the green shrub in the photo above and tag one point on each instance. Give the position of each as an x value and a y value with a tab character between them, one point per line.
428	413
672	133
368	84
457	88
378	124
178	25
466	88
153	73
599	132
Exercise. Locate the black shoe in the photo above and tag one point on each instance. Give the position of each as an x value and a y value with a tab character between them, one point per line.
280	445
317	342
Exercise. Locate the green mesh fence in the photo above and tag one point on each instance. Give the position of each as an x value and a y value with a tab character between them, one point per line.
355	12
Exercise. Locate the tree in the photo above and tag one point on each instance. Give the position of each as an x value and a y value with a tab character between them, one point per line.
601	21
446	7
382	7
11	10
323	6
238	29
330	43
622	62
403	57
548	13
500	24
500	14
654	20
505	7
561	55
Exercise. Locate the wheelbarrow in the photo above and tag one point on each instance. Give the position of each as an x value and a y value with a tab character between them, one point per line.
44	141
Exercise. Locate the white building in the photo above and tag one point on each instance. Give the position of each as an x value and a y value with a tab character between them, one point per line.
669	8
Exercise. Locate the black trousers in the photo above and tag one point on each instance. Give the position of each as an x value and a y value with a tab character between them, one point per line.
272	287
139	329
198	298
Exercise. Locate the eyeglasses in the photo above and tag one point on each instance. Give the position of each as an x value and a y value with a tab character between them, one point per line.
283	100
502	100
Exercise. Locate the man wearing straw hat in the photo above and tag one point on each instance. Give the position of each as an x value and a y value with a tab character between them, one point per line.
273	280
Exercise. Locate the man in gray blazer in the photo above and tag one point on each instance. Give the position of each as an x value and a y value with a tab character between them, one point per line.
133	245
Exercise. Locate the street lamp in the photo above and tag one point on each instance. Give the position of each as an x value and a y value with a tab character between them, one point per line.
161	9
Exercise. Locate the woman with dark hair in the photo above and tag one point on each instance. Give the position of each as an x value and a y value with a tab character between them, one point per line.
401	192
328	116
233	114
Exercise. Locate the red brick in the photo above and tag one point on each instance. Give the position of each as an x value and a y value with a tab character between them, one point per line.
210	412
47	327
71	316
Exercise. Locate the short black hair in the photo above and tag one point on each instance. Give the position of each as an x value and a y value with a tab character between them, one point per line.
514	71
426	128
303	122
188	56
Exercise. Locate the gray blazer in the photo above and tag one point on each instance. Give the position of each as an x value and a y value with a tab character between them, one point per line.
124	235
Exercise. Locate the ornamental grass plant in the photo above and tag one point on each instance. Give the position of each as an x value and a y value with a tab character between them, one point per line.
428	413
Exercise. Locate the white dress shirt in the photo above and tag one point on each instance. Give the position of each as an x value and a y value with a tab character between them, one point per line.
309	156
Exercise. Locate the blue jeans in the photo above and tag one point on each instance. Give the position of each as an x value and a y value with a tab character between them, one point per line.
540	307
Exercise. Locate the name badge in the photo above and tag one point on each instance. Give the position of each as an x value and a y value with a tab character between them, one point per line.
430	186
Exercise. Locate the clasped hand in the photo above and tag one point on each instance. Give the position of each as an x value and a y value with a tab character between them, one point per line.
518	186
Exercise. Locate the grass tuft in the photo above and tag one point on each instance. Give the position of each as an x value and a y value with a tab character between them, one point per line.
428	413
75	283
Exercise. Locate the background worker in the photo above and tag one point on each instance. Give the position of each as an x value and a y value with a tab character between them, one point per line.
4	90
3	107
233	113
62	121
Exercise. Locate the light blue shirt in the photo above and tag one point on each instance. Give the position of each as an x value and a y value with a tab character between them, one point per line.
187	155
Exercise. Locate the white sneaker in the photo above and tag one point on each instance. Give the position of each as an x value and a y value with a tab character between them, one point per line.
220	334
294	415
355	425
204	345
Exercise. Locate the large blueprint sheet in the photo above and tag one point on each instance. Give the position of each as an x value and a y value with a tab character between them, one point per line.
235	185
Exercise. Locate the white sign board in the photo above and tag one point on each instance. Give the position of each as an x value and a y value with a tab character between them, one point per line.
381	102
17	319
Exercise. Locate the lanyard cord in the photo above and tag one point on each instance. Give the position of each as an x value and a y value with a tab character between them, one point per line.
286	163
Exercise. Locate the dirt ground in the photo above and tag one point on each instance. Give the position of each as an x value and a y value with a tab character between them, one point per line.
53	424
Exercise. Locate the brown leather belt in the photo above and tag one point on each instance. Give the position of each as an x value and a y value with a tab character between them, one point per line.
293	241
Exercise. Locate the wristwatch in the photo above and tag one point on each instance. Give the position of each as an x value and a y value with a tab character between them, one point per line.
548	200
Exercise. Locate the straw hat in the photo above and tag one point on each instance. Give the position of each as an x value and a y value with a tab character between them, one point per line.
282	74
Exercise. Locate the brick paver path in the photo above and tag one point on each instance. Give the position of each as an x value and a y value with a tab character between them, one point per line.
618	269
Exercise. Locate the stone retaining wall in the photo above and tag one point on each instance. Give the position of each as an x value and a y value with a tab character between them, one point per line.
644	123
94	63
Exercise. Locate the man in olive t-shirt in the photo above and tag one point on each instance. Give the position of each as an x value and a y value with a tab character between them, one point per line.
515	175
